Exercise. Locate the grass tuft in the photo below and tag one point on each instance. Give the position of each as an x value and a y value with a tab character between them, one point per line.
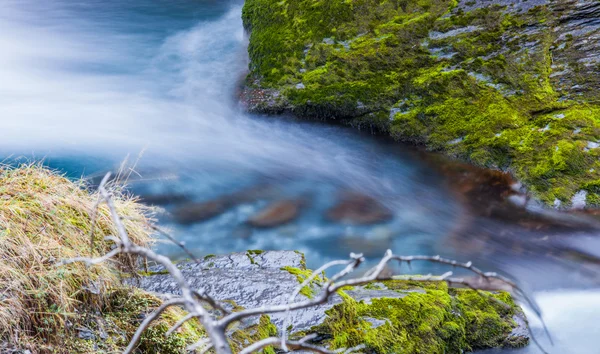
46	218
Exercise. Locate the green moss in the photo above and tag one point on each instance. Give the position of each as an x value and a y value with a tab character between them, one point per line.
434	320
252	253
487	321
302	259
127	307
413	284
242	337
234	306
484	94
301	275
113	327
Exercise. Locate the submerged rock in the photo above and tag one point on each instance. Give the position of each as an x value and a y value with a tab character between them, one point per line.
193	212
388	317
497	83
276	214
359	209
196	212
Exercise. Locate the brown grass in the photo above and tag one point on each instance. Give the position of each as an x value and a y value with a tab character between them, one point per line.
45	218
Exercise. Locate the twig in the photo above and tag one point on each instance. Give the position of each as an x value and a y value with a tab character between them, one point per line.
295	345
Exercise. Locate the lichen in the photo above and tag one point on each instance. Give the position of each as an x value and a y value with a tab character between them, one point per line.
302	259
302	275
434	319
252	253
475	84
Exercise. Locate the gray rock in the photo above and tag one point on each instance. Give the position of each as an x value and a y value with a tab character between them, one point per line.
252	279
256	278
86	334
579	200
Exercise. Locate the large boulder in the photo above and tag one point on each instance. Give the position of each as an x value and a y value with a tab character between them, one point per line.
502	84
389	317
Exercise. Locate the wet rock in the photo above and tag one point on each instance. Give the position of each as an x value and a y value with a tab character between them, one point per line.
195	212
86	334
359	209
253	193
276	214
259	278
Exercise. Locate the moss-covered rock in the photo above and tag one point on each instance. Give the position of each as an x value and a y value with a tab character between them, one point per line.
509	87
427	318
399	316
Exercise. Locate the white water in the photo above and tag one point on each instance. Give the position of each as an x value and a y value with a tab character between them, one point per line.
77	84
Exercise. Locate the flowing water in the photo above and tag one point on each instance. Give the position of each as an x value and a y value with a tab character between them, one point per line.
83	84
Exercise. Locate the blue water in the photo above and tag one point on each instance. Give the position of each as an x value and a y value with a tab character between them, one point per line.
89	83
85	85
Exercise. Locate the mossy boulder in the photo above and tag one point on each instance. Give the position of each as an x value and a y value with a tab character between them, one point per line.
397	316
512	86
426	318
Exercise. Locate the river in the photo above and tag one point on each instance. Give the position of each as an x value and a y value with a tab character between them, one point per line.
87	84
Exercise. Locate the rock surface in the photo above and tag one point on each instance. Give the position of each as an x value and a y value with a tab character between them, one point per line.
257	278
502	84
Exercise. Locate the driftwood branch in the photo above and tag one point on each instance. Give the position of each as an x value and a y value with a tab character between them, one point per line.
216	323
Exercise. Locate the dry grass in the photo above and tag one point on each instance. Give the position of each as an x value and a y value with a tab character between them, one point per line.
45	218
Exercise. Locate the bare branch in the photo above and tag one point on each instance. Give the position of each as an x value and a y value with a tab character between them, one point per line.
180	323
91	261
306	282
295	345
174	241
202	343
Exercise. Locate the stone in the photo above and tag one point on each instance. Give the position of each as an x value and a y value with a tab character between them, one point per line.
86	334
276	214
195	212
358	209
259	278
